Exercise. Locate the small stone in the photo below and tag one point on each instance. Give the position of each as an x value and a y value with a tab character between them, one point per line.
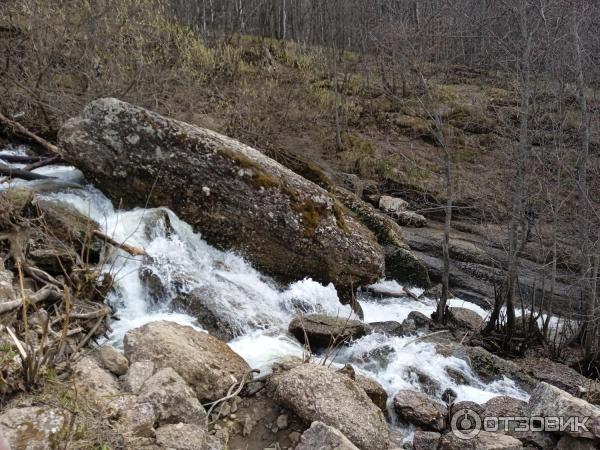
248	425
282	422
294	437
113	360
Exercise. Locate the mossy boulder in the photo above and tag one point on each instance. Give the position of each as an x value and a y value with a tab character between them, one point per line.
237	197
400	263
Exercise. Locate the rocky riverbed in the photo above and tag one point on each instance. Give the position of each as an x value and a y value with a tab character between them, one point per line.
206	351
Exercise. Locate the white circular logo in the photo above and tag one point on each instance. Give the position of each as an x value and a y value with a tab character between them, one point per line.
465	424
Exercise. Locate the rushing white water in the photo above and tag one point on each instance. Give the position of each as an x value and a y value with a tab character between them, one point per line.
253	306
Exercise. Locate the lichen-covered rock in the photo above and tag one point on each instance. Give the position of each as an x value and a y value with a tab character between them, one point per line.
323	331
549	401
34	428
316	393
400	263
172	398
323	437
237	197
421	410
208	365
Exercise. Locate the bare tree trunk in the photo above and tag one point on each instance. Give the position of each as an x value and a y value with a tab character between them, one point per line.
582	188
507	290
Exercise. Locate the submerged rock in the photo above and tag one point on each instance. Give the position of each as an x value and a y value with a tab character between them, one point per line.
234	195
323	331
316	393
207	364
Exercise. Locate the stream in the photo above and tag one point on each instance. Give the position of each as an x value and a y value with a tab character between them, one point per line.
256	308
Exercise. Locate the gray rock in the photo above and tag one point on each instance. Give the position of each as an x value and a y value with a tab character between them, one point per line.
491	367
323	437
409	219
316	393
466	318
186	437
113	360
323	331
34	428
390	328
426	440
137	375
421	410
390	204
172	398
483	441
208	365
138	419
400	262
570	443
237	197
96	385
503	406
549	401
374	390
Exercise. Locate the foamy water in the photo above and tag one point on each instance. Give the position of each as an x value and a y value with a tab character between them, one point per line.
253	306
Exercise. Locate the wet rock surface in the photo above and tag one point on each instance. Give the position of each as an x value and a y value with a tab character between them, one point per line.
322	331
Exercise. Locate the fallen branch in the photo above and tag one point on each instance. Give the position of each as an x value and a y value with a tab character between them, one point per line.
21	173
20	129
20	159
133	251
48	292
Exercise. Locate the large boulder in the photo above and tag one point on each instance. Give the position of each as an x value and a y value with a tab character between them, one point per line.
421	410
466	318
323	437
321	331
549	401
208	365
316	393
237	197
35	427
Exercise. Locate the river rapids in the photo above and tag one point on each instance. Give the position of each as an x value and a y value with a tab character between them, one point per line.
255	307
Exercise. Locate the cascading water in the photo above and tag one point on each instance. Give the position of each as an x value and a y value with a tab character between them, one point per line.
254	307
